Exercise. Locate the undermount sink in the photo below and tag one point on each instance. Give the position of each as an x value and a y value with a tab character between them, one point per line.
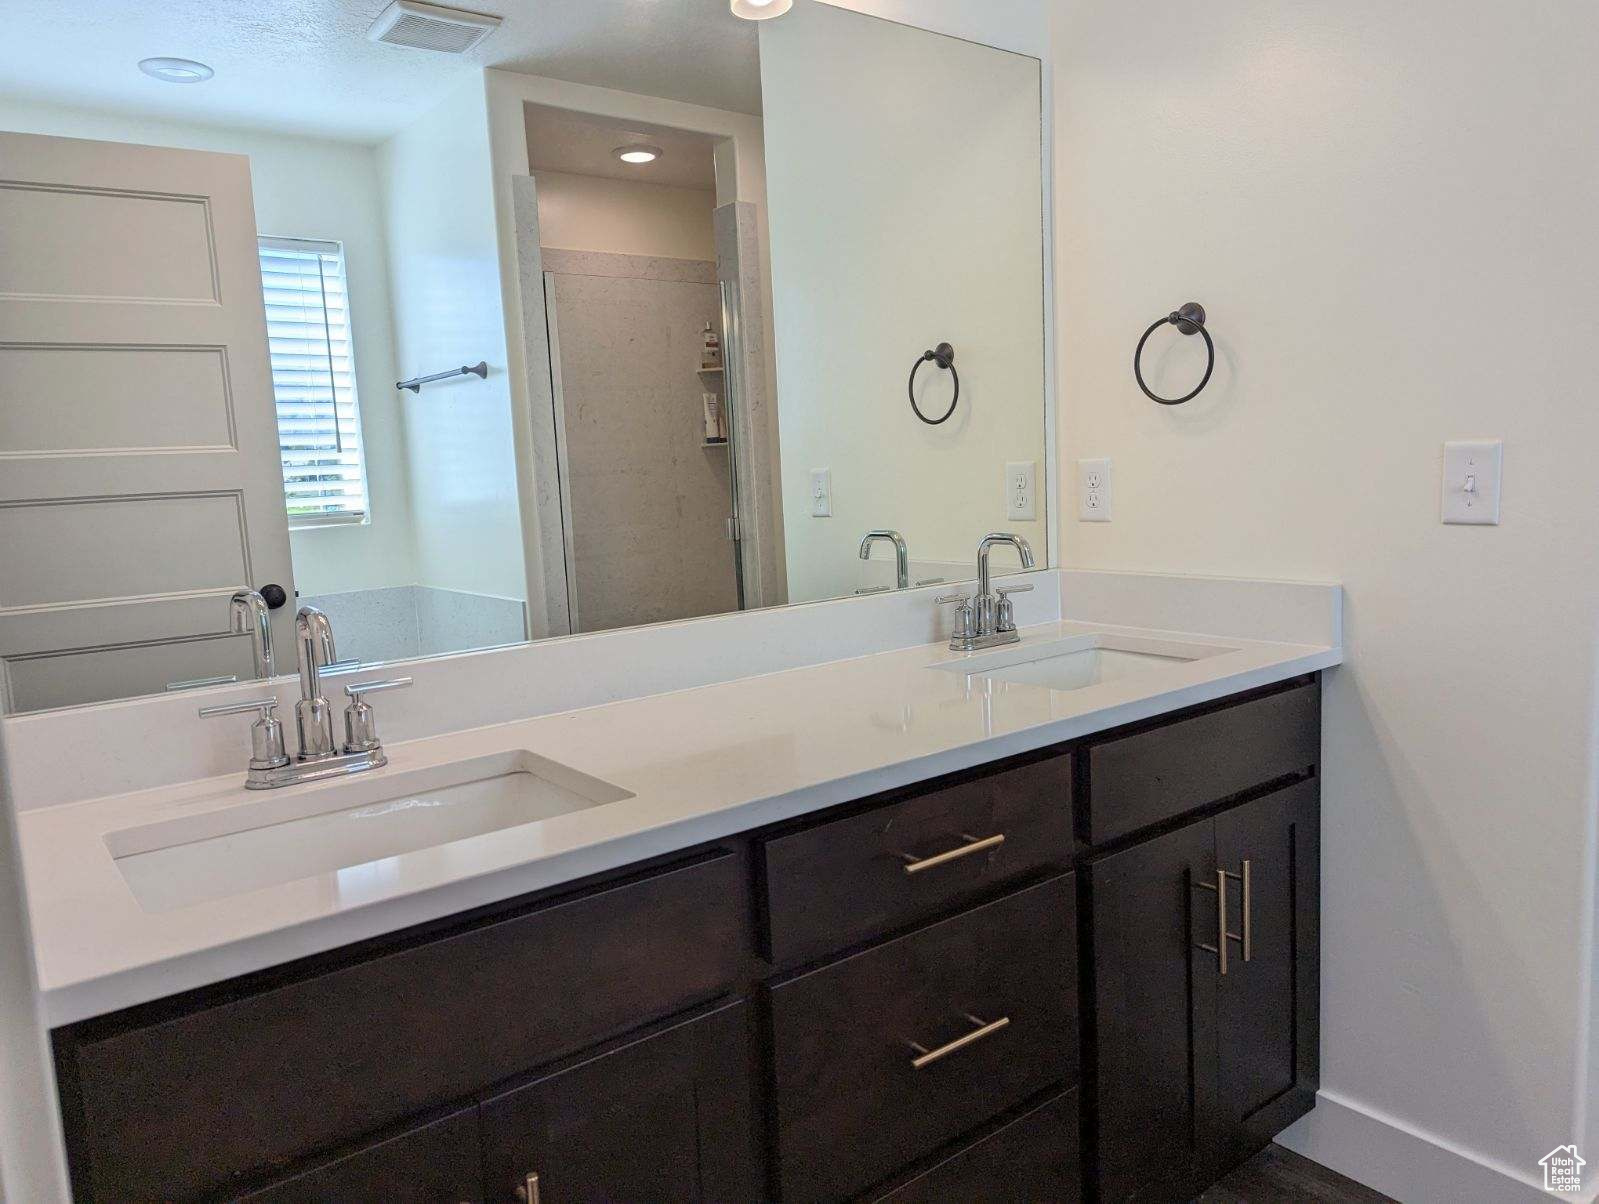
341	825
1080	661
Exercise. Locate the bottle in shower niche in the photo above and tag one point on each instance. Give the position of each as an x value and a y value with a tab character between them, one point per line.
715	424
711	352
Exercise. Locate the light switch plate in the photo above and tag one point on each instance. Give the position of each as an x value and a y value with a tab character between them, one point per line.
821	493
1471	482
1021	478
1093	491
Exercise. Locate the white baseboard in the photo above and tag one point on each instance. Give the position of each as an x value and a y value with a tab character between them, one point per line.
1407	1164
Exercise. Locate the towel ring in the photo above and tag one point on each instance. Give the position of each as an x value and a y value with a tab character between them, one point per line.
1190	319
944	356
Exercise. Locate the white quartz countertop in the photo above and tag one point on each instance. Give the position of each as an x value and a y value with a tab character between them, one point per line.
700	764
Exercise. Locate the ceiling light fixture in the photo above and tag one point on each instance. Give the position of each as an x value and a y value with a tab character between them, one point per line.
637	152
176	71
760	10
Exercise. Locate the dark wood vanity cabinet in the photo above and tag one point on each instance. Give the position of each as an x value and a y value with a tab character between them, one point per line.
1198	1062
1025	1158
437	1162
831	884
665	1117
185	1097
907	1045
993	986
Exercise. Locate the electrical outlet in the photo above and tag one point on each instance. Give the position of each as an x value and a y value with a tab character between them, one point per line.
1020	478
1093	491
821	493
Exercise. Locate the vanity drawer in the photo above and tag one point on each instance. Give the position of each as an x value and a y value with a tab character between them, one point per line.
852	1105
437	1163
852	879
1161	772
1030	1159
187	1105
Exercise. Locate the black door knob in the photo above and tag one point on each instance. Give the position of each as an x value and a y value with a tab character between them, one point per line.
274	596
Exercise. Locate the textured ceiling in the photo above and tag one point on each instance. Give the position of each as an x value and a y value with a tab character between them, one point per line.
305	66
559	141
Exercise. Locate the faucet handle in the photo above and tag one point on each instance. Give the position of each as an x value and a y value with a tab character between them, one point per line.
265	707
266	733
963	615
1005	613
355	692
360	724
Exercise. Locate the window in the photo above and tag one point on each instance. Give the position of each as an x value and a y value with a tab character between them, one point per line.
313	380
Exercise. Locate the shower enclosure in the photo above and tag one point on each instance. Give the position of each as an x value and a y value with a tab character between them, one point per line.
648	480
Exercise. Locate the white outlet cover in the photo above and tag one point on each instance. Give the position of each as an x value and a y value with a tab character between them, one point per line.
1021	482
1470	488
1093	491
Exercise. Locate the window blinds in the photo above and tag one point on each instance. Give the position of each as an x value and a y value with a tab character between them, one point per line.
313	380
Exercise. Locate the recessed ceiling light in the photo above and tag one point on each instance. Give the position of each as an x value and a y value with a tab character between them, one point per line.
760	10
176	71
637	152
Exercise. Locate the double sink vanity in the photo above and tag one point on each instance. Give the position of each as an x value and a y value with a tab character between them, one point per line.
680	822
1035	922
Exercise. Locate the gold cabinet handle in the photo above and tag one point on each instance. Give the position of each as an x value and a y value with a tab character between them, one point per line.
1221	920
974	844
985	1028
1222	935
528	1193
1220	947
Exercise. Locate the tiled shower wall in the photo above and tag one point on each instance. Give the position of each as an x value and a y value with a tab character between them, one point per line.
649	501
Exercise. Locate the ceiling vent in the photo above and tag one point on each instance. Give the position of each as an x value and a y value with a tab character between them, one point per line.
430	27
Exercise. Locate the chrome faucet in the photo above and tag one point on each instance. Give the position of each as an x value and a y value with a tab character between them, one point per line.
319	757
902	558
248	614
313	716
988	618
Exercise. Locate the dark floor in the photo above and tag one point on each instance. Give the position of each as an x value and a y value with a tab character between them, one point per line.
1280	1176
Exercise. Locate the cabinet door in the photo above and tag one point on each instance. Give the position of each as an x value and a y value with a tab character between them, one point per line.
1266	1004
667	1117
1153	1015
435	1163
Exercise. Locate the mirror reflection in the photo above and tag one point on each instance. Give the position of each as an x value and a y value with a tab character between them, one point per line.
471	329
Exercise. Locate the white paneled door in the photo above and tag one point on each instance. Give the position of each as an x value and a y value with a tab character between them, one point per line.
140	480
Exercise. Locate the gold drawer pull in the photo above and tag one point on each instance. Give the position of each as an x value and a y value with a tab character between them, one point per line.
1222	935
528	1192
914	865
926	1057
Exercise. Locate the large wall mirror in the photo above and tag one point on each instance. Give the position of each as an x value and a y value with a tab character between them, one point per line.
669	271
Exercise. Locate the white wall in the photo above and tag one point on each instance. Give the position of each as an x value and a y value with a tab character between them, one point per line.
1386	209
625	217
306	188
904	212
1019	25
444	261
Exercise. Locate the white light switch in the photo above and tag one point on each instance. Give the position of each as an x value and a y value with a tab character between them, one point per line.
1471	482
821	493
1020	477
1093	491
